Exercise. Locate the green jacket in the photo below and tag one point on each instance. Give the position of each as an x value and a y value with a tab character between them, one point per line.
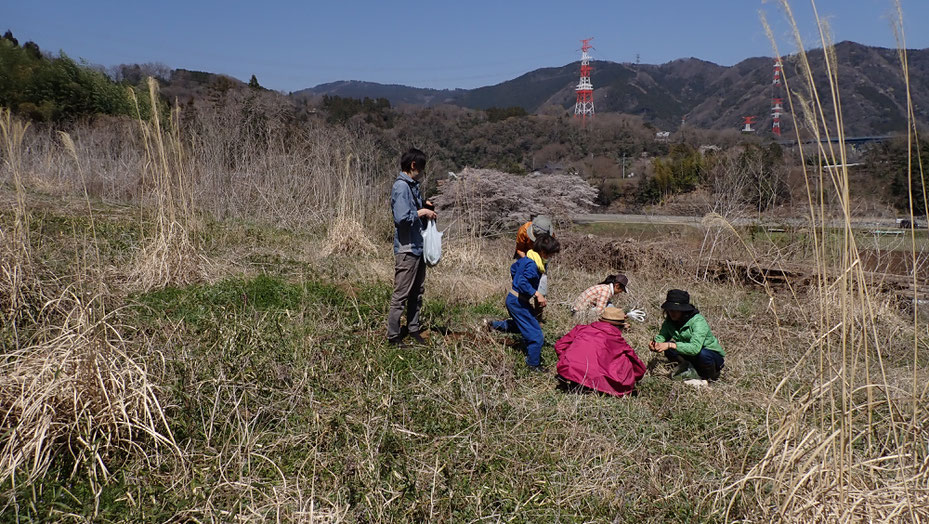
690	338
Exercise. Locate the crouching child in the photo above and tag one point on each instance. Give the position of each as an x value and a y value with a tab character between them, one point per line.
526	273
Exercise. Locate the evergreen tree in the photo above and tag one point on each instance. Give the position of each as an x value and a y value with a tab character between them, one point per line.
9	36
253	83
32	49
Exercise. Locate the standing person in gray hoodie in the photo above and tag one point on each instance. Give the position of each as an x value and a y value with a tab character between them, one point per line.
410	216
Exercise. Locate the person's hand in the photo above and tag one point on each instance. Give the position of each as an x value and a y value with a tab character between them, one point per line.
540	299
426	213
655	346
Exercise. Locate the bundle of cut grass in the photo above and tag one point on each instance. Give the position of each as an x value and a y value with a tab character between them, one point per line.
347	236
81	393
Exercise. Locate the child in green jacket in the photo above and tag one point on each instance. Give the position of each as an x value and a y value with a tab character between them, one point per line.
685	337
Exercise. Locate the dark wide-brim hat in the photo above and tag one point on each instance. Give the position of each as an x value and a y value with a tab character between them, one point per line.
678	300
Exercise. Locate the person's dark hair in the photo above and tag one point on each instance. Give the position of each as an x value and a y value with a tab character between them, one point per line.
610	279
411	156
546	244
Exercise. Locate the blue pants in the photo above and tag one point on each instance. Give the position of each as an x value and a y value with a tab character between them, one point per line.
707	362
522	320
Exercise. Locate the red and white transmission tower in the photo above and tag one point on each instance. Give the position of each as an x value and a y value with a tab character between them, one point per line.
585	90
748	121
777	97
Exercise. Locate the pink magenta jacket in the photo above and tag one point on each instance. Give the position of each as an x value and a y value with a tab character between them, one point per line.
597	356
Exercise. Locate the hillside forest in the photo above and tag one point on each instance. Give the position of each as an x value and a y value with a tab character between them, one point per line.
620	155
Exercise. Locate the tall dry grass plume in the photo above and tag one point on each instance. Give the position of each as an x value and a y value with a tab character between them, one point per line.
72	389
170	254
19	290
848	440
345	233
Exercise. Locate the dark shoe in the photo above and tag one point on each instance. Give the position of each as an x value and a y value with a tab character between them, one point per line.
417	338
398	342
684	372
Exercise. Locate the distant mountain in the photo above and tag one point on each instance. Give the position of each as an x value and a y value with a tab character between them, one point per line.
397	94
707	94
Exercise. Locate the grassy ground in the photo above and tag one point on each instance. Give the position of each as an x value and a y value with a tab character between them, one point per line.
285	399
286	402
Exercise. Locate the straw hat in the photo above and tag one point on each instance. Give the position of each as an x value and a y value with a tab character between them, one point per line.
613	315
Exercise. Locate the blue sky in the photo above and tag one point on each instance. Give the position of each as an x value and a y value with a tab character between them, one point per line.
291	44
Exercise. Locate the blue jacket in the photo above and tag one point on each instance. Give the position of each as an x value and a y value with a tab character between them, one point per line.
526	277
405	202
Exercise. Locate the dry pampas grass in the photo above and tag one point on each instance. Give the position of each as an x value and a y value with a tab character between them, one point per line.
346	235
170	254
79	392
15	247
852	449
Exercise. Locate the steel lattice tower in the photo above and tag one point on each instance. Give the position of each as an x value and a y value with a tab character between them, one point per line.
776	97
585	90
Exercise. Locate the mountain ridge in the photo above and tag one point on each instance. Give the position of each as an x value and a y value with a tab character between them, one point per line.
703	93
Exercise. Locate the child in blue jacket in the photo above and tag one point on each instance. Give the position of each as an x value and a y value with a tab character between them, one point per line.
526	273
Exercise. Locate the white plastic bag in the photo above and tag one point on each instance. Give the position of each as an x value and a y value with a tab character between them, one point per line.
636	314
432	244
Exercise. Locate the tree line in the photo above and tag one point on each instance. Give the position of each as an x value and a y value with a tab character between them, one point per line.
48	88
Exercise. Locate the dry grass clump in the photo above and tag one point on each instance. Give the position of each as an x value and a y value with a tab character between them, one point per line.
22	296
346	235
170	254
15	247
80	392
